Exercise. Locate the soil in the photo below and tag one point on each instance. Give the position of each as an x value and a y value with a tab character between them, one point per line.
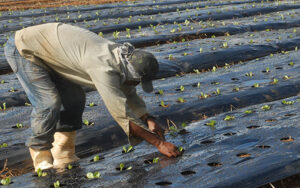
32	4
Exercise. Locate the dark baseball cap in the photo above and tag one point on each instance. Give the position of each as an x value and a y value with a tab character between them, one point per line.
146	65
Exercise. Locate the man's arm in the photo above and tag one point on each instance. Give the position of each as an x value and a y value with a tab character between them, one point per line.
138	107
164	147
108	85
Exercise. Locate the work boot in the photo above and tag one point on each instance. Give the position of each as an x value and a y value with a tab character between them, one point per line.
63	150
41	159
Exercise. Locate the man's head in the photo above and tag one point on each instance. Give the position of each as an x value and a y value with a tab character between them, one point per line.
146	65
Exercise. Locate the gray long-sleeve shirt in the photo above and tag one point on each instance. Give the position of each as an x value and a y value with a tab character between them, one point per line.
87	59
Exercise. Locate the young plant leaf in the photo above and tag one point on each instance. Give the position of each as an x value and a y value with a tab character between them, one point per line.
155	160
228	118
56	184
122	165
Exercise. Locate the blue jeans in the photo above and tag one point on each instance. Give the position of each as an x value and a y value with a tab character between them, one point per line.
57	103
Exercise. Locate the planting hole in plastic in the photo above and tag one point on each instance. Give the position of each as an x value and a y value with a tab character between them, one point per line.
207	142
229	134
264	146
163	183
183	131
148	161
214	164
253	127
278	68
119	169
235	79
287	139
270	120
243	155
60	185
289	115
188	172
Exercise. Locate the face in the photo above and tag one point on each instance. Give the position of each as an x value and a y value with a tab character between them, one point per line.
131	82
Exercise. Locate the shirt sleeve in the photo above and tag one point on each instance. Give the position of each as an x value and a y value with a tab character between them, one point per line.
108	85
135	102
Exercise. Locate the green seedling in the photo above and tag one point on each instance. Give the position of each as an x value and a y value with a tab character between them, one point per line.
19	125
70	166
267	69
2	82
155	160
268	40
183	124
249	74
286	77
6	181
225	45
201	50
161	92
122	165
101	34
248	112
128	35
181	88
236	89
3	106
180	149
180	100
92	104
3	145
256	85
87	123
129	19
40	173
96	158
173	30
173	129
275	81
287	102
266	107
162	104
217	92
294	30
91	175
12	89
185	54
171	57
127	150
56	184
203	96
211	123
196	71
186	22
228	118
291	63
198	84
214	69
27	104
116	34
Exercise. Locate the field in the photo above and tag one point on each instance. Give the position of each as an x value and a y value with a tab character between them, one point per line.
227	90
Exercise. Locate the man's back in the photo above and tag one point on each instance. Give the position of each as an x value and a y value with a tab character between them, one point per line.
67	49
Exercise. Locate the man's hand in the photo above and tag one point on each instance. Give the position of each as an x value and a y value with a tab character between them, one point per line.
168	149
156	128
164	147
